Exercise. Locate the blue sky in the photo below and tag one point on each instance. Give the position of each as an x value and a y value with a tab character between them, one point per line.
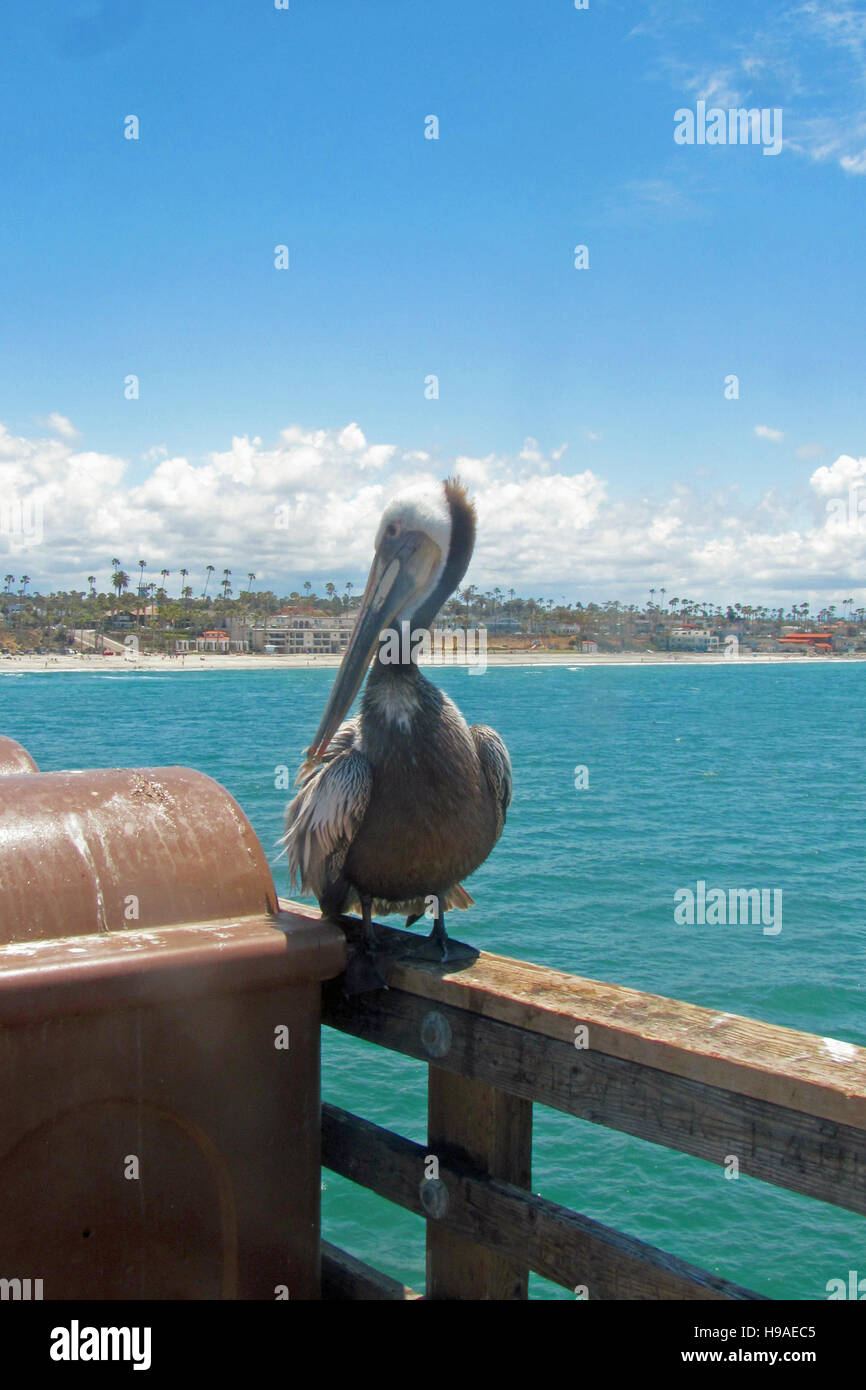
452	257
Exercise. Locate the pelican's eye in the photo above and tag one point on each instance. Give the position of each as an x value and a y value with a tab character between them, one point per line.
392	529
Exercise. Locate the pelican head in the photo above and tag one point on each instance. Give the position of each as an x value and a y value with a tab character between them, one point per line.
423	548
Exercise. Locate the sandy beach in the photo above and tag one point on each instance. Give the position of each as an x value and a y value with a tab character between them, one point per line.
236	661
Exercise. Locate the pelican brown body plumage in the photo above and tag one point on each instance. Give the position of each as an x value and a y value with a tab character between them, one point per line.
401	803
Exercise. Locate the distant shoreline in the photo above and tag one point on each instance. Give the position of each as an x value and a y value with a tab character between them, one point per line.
103	665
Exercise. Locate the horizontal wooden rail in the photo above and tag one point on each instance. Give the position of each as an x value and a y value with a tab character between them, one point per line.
822	1077
569	1249
346	1278
788	1106
496	1036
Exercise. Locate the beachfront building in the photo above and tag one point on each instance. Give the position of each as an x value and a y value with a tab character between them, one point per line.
502	623
808	641
122	618
297	634
213	641
693	637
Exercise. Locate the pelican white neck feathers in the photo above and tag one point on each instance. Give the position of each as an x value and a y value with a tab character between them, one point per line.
400	803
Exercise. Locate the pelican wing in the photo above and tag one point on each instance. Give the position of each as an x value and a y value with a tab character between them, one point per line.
494	759
347	737
324	817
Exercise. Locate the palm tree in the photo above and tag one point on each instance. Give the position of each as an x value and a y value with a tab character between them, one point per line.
308	588
25	580
183	575
142	566
348	594
119	581
226	583
186	593
9	580
250	577
164	576
91	579
210	570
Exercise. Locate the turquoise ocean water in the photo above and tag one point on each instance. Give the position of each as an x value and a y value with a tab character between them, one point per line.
738	775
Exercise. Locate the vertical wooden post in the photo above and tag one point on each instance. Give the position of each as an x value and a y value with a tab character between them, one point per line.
479	1126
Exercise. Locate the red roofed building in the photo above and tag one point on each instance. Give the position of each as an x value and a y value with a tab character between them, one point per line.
820	641
214	641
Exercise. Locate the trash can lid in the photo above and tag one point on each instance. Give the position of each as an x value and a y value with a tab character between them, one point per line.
122	849
14	758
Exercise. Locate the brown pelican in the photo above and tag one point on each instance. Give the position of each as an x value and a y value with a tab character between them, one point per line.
402	802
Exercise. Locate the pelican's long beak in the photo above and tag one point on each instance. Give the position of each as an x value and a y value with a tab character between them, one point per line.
394	582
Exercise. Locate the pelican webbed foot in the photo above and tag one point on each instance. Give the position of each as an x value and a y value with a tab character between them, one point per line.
362	973
364	966
438	947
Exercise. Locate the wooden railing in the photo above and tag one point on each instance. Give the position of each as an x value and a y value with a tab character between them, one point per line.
500	1035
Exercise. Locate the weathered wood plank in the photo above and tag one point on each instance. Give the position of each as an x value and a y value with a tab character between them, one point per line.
780	1145
346	1278
569	1249
824	1077
489	1131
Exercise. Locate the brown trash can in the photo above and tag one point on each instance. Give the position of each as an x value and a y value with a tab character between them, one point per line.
159	1046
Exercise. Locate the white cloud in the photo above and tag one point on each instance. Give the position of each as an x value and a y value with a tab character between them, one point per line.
660	195
530	453
474	472
765	432
539	527
60	425
808	58
716	88
159	451
352	439
841	475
